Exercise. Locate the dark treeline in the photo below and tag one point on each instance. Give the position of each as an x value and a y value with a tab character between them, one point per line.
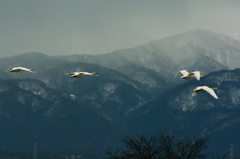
164	145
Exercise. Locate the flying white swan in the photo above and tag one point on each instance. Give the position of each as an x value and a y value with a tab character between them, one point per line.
19	69
186	75
81	74
205	88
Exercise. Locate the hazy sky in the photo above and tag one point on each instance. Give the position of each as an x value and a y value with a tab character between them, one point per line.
64	27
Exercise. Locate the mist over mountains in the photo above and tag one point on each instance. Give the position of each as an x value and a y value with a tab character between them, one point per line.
135	92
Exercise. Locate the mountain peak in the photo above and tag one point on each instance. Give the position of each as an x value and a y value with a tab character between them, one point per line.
180	48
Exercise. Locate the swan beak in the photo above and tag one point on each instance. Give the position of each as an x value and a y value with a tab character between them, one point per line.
95	74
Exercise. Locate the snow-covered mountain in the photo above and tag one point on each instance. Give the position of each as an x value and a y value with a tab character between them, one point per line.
195	50
32	112
99	92
135	92
177	109
198	43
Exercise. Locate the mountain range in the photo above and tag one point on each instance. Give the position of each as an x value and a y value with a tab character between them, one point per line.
135	92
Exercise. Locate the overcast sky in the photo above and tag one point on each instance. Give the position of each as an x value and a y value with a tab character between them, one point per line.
64	27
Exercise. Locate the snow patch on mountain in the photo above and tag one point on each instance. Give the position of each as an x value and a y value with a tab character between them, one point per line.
234	94
116	99
32	87
226	76
21	97
36	104
52	109
184	101
144	78
73	97
108	89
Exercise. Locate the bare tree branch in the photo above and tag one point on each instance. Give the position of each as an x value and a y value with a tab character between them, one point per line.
164	145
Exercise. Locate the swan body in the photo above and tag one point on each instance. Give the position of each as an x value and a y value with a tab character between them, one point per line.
19	69
81	74
186	75
205	88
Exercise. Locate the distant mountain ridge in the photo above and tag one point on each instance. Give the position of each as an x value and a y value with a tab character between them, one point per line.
49	117
192	50
221	48
178	110
135	92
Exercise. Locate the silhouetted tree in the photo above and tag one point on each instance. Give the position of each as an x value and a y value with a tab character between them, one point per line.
164	145
142	147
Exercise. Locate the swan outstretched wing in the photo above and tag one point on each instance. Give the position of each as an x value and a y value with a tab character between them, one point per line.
177	74
197	75
210	91
70	73
194	93
183	72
